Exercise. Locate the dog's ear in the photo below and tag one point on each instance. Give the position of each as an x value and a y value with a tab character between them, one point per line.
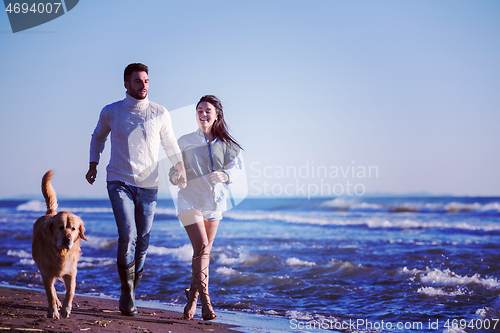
82	231
50	228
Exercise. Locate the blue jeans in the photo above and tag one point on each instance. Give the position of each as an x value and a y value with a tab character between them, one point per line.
133	208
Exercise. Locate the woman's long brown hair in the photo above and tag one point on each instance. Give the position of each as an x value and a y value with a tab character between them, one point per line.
219	128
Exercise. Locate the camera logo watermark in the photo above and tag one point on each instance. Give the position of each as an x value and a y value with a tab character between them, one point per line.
26	14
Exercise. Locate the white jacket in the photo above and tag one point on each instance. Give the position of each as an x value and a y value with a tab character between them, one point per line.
200	159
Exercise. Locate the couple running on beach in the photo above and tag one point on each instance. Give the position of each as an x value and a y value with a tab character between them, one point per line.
204	162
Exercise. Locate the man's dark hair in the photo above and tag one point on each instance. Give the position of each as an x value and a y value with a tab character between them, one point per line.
135	67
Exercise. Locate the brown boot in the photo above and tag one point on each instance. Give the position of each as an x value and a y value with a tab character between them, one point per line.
192	297
200	278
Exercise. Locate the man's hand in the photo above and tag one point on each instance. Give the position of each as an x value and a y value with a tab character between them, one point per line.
179	178
92	173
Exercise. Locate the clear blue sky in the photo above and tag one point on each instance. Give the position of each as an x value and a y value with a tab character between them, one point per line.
409	87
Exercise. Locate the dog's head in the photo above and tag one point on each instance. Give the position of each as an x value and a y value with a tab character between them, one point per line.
66	228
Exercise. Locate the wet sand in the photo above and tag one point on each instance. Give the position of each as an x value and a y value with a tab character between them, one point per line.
24	310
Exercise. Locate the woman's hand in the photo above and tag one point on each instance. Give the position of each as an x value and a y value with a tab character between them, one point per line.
219	177
179	178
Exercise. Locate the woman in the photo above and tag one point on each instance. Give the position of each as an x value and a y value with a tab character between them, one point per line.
211	158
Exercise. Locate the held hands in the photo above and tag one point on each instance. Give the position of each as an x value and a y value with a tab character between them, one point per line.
219	177
179	178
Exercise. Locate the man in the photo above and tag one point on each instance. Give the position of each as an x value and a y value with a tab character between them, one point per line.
138	127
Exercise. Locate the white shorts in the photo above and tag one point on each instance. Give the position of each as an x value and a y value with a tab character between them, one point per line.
208	215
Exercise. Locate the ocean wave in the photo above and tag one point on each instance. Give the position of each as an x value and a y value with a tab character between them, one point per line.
317	218
305	217
412	207
431	291
99	243
448	278
299	315
348	268
40	206
25	257
32	206
226	271
77	210
243	258
454	330
29	278
184	253
90	262
406	271
19	254
25	262
225	260
297	262
166	211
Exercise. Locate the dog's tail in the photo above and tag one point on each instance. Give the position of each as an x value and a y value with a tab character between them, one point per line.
49	193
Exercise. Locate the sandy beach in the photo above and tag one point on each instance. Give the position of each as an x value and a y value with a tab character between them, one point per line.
24	310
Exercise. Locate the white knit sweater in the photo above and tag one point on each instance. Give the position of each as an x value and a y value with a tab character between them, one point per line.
137	127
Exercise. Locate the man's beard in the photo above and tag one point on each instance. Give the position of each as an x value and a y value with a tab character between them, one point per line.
137	95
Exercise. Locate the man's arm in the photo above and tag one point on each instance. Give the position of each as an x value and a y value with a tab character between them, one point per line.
97	145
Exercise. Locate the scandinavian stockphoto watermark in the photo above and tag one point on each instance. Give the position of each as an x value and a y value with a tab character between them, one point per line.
26	14
488	325
309	179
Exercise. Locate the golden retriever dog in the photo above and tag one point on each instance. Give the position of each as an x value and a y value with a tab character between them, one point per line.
56	250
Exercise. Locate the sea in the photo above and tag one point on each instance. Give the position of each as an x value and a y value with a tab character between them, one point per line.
364	264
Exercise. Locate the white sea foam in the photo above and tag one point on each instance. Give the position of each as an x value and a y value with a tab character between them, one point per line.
99	242
26	261
271	312
431	291
226	271
166	211
243	258
247	216
482	313
452	207
339	203
77	210
316	218
494	206
367	206
184	253
411	272
40	206
457	207
437	277
225	260
90	262
33	206
20	254
299	315
454	330
297	262
345	266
